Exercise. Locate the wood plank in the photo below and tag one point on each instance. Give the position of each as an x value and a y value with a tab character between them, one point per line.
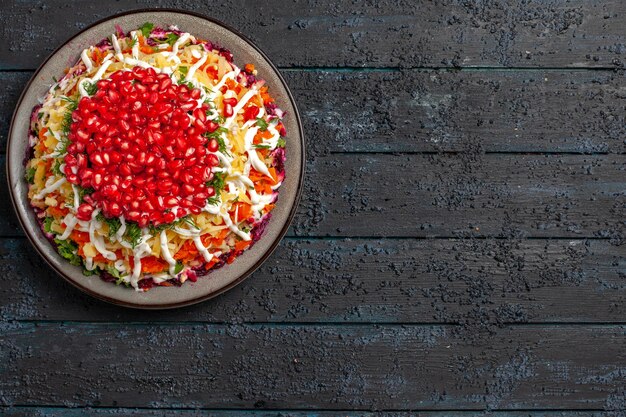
496	111
133	412
358	367
414	111
481	284
451	33
447	195
470	193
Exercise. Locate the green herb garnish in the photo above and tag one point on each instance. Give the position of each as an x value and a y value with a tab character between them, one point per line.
133	234
262	124
146	29
88	273
262	146
47	224
90	88
56	168
217	135
30	175
178	268
218	183
281	143
183	71
113	223
187	220
114	272
171	38
68	250
83	191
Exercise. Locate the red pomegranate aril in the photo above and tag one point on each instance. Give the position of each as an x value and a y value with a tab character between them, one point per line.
169	217
188	106
114	96
212	160
210	191
213	145
211	126
230	101
165	83
187	189
84	212
114	210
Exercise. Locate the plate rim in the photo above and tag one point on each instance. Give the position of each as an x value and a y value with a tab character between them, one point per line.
243	276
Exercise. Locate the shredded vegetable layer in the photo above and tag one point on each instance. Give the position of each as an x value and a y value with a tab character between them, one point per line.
155	159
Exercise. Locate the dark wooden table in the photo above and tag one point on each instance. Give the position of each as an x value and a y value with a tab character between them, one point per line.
460	249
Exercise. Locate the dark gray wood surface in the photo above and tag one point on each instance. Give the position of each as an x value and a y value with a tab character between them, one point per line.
460	249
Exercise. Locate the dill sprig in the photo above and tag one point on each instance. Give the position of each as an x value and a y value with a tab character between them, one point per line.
218	183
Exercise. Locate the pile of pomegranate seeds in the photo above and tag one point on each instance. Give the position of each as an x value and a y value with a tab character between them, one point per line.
138	142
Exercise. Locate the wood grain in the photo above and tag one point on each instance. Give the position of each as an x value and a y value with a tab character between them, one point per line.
434	111
469	193
459	250
496	111
358	367
445	33
479	284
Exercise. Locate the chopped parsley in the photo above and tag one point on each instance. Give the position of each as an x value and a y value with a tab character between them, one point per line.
262	124
183	71
30	175
171	38
146	29
132	43
178	268
281	143
68	250
262	146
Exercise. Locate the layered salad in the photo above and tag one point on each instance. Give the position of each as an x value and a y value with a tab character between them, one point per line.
155	159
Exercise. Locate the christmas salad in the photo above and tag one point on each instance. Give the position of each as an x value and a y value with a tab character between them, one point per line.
155	159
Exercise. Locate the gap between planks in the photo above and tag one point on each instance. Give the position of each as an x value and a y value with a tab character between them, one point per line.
455	238
282	324
408	68
339	410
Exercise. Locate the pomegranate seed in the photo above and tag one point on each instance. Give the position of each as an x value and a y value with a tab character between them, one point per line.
84	212
213	145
